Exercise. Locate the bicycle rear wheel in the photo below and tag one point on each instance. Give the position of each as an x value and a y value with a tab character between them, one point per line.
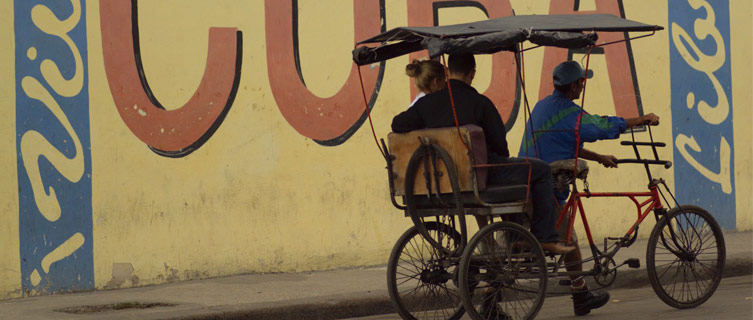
685	257
420	277
503	273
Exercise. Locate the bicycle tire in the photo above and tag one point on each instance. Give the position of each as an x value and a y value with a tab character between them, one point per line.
688	246
419	277
510	268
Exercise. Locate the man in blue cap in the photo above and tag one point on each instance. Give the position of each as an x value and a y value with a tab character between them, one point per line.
553	121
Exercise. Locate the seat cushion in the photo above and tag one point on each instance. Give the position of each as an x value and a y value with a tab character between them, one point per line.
493	194
508	193
562	172
567	167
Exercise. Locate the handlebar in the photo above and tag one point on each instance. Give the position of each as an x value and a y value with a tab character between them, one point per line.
631	143
665	163
648	123
652	144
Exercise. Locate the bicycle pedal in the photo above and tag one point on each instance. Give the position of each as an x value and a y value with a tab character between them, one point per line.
633	263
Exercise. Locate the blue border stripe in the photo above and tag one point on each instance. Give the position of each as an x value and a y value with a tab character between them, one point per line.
702	107
53	140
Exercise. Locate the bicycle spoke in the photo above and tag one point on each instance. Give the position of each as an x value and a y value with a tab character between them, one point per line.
712	245
661	276
410	263
674	281
450	293
414	269
420	253
408	278
710	271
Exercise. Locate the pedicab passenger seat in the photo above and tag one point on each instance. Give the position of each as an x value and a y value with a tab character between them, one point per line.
477	197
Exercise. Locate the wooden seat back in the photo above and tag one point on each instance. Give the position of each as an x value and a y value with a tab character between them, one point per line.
403	145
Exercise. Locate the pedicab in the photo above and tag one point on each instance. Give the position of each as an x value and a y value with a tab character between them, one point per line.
437	177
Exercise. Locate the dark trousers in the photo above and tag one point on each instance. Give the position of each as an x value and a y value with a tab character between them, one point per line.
542	192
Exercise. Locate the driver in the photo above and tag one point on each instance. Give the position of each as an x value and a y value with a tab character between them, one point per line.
553	121
434	111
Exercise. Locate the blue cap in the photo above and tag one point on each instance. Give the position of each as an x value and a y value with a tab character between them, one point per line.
567	72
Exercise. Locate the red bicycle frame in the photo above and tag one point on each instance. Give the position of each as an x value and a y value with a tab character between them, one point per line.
653	202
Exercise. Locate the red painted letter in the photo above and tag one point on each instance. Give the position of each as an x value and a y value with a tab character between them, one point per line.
172	133
619	62
332	120
503	89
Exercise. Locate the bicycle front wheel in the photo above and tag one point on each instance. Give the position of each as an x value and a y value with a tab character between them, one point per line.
685	257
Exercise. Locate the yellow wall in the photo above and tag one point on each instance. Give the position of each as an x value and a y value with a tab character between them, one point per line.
259	196
10	279
742	96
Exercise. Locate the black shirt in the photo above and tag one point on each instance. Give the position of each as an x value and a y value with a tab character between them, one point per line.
435	111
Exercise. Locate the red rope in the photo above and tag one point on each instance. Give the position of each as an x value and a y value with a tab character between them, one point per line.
520	68
580	115
585	80
520	62
452	104
368	112
522	74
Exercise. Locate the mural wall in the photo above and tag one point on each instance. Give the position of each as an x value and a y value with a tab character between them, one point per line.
154	141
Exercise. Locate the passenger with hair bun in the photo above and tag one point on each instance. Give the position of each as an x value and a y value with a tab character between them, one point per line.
428	76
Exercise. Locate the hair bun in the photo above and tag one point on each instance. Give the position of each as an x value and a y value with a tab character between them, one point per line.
413	68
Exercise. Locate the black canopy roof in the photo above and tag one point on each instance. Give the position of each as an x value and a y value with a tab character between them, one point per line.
494	35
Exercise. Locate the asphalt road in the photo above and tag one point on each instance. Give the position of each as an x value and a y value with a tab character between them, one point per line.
732	300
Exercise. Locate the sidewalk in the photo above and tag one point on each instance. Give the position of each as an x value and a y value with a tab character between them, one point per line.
313	295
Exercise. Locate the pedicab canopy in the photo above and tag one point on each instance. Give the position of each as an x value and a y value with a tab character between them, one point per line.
494	35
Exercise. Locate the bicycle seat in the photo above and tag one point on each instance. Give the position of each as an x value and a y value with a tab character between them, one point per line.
562	172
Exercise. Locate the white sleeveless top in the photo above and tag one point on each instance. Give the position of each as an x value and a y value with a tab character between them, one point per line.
418	96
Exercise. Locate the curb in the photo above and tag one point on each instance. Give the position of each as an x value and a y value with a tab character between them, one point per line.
353	307
633	278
